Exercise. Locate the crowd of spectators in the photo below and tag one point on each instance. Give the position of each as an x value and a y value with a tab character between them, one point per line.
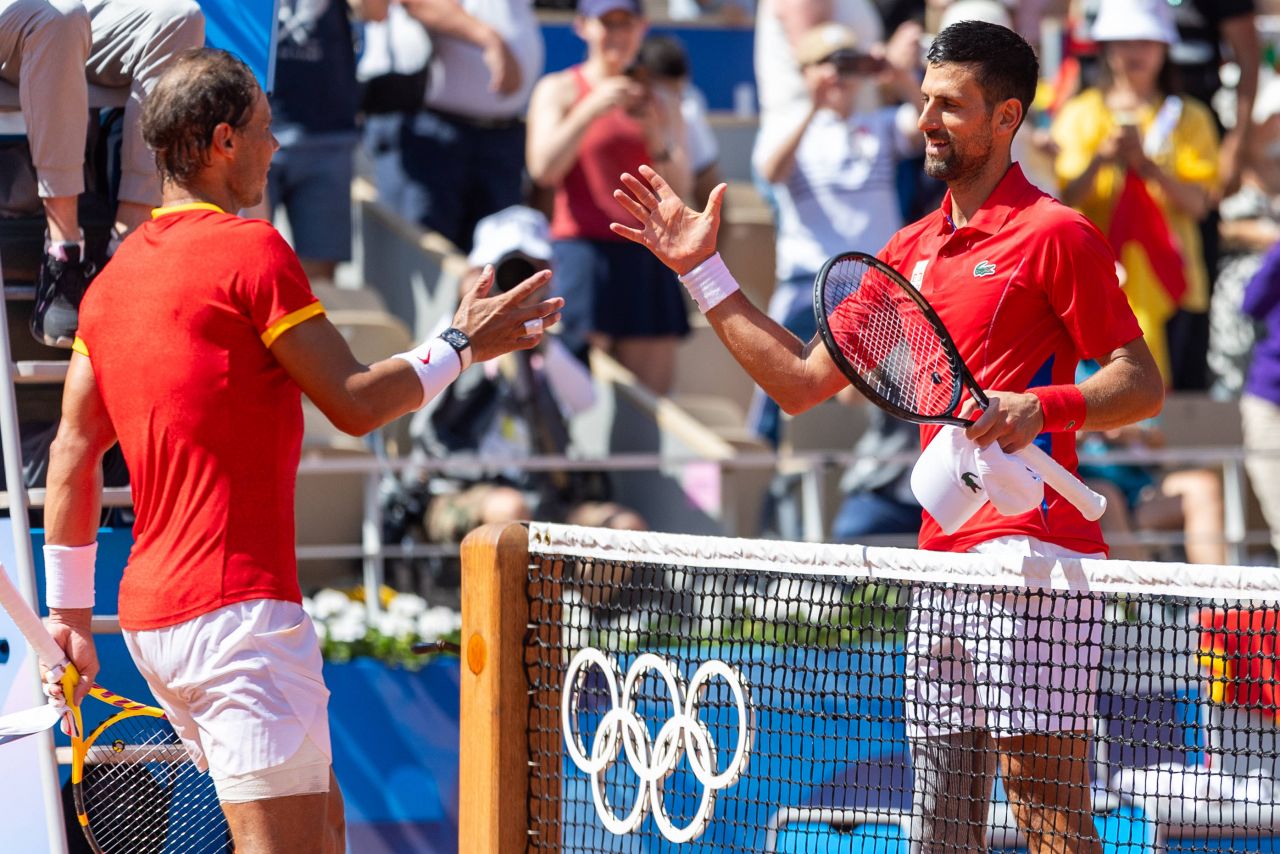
1159	120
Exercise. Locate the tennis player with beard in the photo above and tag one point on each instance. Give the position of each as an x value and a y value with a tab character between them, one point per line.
1027	288
196	344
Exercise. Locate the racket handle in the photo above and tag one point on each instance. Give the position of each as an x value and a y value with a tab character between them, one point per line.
1090	504
29	624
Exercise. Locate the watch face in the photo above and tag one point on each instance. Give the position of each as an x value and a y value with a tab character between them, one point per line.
456	338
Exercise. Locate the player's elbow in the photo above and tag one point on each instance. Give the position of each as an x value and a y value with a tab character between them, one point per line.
1152	398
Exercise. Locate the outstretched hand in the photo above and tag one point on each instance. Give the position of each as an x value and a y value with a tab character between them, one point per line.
514	320
677	235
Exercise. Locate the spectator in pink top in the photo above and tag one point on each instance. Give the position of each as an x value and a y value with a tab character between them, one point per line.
588	125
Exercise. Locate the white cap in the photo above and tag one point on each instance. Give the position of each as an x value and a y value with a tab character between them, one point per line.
1135	20
954	477
989	11
513	229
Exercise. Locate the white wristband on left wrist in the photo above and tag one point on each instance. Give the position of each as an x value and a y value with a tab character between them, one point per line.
68	575
710	283
436	363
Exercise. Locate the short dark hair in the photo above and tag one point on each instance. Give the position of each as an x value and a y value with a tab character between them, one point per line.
1006	64
664	57
203	88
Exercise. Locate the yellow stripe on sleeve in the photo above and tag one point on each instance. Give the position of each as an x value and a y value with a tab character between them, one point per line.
79	346
290	320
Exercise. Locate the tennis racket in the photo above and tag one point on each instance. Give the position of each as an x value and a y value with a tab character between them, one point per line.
886	338
135	787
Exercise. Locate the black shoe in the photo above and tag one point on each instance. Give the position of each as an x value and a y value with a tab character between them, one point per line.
59	288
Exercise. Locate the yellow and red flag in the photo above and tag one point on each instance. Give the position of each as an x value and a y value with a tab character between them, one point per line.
1145	246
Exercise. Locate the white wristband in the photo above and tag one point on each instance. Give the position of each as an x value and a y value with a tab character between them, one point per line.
436	363
68	575
710	283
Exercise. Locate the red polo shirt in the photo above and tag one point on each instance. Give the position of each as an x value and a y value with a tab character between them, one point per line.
178	327
1027	289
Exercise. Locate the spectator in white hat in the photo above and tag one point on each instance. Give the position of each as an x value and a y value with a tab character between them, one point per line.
1135	121
511	408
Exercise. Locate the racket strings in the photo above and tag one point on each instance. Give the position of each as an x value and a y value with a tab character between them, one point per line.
142	793
888	339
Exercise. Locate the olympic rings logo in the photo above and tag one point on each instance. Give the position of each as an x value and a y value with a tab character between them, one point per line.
622	731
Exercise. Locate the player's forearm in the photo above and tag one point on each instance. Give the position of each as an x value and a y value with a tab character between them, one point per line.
1127	389
379	394
73	502
771	355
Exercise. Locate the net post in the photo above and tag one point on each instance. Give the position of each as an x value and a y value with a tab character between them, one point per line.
493	774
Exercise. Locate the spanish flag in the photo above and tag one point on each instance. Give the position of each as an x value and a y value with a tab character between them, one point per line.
1156	279
1238	649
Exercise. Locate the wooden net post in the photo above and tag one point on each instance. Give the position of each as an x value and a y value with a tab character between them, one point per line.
494	771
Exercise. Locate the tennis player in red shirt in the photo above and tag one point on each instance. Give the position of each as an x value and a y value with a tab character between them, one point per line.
1027	288
195	346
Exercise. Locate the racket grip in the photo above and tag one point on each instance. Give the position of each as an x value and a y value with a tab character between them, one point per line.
29	624
1090	504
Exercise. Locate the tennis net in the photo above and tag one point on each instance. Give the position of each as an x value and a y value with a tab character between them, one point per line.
675	693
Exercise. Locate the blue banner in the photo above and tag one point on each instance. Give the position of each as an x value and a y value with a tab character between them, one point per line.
246	28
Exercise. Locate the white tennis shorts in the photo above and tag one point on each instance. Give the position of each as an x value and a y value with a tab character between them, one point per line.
1010	662
244	689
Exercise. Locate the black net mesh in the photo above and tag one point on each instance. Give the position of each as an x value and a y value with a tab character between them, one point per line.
721	709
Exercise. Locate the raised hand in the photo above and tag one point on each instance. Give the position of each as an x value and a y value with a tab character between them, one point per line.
514	320
677	235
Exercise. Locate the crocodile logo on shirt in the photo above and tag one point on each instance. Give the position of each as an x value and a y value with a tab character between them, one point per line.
984	268
970	480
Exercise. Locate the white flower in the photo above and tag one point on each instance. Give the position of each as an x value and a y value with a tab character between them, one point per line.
328	603
437	622
395	625
322	630
408	605
347	629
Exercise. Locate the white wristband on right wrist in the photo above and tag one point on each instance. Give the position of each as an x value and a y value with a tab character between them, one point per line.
68	575
710	283
436	363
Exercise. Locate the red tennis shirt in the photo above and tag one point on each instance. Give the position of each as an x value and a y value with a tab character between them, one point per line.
1027	289
178	328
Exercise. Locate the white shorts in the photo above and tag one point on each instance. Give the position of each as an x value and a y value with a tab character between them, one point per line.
1009	662
244	689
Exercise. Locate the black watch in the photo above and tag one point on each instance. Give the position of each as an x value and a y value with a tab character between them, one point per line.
458	340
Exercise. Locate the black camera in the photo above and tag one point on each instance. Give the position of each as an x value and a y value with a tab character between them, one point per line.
851	62
512	269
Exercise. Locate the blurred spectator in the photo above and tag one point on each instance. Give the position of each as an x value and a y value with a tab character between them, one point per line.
311	172
664	60
512	407
877	493
780	24
588	125
50	51
1250	226
1260	404
1204	26
461	156
1141	162
832	173
1140	498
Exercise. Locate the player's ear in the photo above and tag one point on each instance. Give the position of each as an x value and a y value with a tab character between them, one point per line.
1008	116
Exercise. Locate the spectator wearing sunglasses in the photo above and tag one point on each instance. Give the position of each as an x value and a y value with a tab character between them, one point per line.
832	169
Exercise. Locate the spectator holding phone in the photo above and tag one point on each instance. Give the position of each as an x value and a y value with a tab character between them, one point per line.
833	172
588	125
